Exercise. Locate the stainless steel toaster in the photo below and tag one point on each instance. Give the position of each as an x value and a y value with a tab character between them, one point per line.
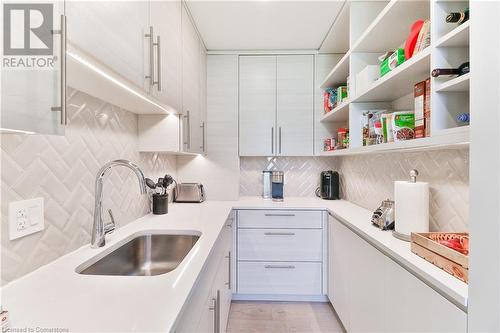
189	192
383	217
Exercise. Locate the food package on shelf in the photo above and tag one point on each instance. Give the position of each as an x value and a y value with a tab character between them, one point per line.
326	101
403	125
365	127
419	101
366	77
387	127
342	138
342	95
375	134
391	60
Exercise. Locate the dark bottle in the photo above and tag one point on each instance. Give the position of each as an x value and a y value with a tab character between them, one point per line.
460	70
458	17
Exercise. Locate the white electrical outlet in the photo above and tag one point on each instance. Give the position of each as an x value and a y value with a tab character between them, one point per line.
25	217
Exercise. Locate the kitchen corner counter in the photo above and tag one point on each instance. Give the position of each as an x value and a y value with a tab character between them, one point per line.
55	296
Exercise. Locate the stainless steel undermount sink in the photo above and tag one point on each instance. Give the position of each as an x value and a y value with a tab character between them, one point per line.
144	254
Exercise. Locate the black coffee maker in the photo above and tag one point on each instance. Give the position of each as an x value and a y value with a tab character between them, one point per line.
329	185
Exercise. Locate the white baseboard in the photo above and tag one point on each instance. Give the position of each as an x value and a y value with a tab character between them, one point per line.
282	298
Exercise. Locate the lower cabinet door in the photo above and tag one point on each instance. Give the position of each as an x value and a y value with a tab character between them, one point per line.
411	305
280	278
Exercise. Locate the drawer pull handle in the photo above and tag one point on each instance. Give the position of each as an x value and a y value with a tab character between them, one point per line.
280	266
291	215
279	233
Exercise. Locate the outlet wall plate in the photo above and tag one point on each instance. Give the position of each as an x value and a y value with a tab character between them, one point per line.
25	217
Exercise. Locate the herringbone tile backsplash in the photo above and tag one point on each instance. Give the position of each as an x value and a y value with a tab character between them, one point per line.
366	180
62	170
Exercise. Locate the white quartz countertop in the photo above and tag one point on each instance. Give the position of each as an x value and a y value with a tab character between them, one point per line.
55	296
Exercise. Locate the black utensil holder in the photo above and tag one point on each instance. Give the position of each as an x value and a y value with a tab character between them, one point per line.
160	204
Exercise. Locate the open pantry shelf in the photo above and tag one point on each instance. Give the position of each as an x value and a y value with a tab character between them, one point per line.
458	84
456	137
385	26
339	113
388	23
399	81
339	73
458	37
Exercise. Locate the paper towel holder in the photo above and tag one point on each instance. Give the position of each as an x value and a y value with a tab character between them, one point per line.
413	175
407	238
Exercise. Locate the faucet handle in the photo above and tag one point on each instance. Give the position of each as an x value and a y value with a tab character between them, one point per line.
110	227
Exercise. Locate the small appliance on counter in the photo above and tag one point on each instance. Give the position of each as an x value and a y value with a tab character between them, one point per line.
189	192
329	185
411	207
277	182
383	217
266	184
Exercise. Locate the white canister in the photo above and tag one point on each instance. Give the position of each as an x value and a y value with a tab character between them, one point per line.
411	207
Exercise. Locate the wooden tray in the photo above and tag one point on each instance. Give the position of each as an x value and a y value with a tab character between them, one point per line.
451	261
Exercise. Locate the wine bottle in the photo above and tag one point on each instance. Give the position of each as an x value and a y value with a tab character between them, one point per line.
463	118
458	17
460	70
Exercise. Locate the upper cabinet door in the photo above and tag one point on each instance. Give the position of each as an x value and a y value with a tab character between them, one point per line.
114	33
203	97
33	90
190	84
257	105
295	105
166	20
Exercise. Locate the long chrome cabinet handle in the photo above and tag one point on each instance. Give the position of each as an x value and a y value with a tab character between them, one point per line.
158	63
279	233
202	136
213	308
62	108
187	142
280	266
229	270
279	140
276	214
272	140
151	56
218	311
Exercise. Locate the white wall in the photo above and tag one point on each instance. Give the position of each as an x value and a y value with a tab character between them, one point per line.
484	277
219	170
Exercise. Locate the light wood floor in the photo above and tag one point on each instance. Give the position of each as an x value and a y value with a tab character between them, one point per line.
282	317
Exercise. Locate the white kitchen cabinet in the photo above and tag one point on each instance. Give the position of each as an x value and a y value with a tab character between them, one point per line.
281	255
183	84
411	305
257	105
294	105
371	292
190	85
339	275
280	244
276	105
113	32
207	309
366	287
29	95
202	142
165	18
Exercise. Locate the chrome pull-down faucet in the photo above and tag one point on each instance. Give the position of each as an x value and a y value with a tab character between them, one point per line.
99	230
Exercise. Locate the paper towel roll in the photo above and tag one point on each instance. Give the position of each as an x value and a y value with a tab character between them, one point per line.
411	207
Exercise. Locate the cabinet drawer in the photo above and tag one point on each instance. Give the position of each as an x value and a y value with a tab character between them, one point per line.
279	278
280	244
279	219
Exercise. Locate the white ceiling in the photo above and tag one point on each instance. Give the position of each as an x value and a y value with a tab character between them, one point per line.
264	24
